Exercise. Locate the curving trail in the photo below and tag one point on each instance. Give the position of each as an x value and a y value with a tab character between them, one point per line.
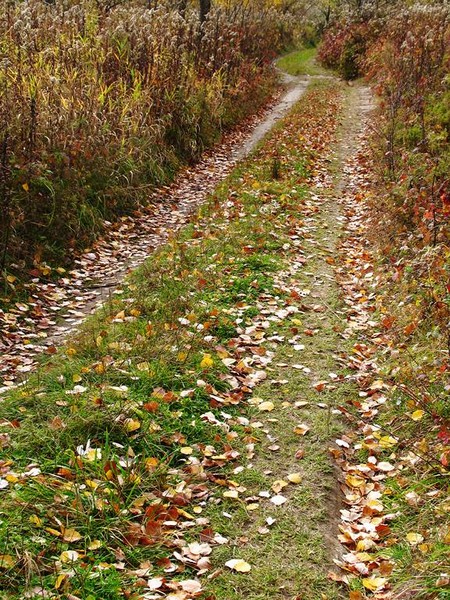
55	309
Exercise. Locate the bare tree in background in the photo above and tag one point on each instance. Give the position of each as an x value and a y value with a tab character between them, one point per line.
205	7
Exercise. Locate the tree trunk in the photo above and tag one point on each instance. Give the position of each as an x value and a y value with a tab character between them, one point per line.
205	7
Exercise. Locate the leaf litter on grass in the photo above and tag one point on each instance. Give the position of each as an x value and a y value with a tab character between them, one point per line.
38	314
135	502
388	533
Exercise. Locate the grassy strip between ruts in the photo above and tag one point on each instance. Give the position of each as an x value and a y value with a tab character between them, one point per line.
118	456
302	62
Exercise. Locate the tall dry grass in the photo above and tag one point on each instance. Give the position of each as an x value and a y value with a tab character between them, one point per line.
99	102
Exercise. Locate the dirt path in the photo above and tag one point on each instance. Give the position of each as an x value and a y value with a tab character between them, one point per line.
292	547
254	496
56	309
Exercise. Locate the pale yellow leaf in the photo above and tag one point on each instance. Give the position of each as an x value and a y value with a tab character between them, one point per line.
132	425
237	564
69	556
278	485
414	538
295	477
231	494
417	415
374	583
71	535
266	406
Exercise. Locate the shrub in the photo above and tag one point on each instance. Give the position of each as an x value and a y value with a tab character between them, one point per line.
343	48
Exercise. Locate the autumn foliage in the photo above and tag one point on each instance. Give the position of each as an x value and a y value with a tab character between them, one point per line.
100	101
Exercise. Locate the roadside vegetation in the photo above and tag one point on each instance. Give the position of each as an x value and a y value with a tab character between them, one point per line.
102	101
403	51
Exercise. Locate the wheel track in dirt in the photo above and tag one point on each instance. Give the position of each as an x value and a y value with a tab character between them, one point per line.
56	309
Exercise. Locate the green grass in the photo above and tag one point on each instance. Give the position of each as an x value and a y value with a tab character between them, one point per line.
301	62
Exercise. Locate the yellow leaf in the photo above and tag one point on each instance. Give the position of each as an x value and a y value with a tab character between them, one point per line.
417	415
207	362
374	583
71	351
93	455
11	278
71	535
95	545
231	494
76	378
132	425
239	565
53	531
387	441
186	450
447	537
60	580
375	505
186	514
151	463
278	485
35	520
266	406
69	556
7	561
295	477
301	429
26	187
355	481
414	538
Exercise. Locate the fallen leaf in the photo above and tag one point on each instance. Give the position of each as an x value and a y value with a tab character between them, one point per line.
278	500
278	485
295	477
385	466
231	494
186	450
207	362
301	429
69	556
237	564
300	453
192	586
417	415
266	406
71	535
374	584
414	538
7	561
